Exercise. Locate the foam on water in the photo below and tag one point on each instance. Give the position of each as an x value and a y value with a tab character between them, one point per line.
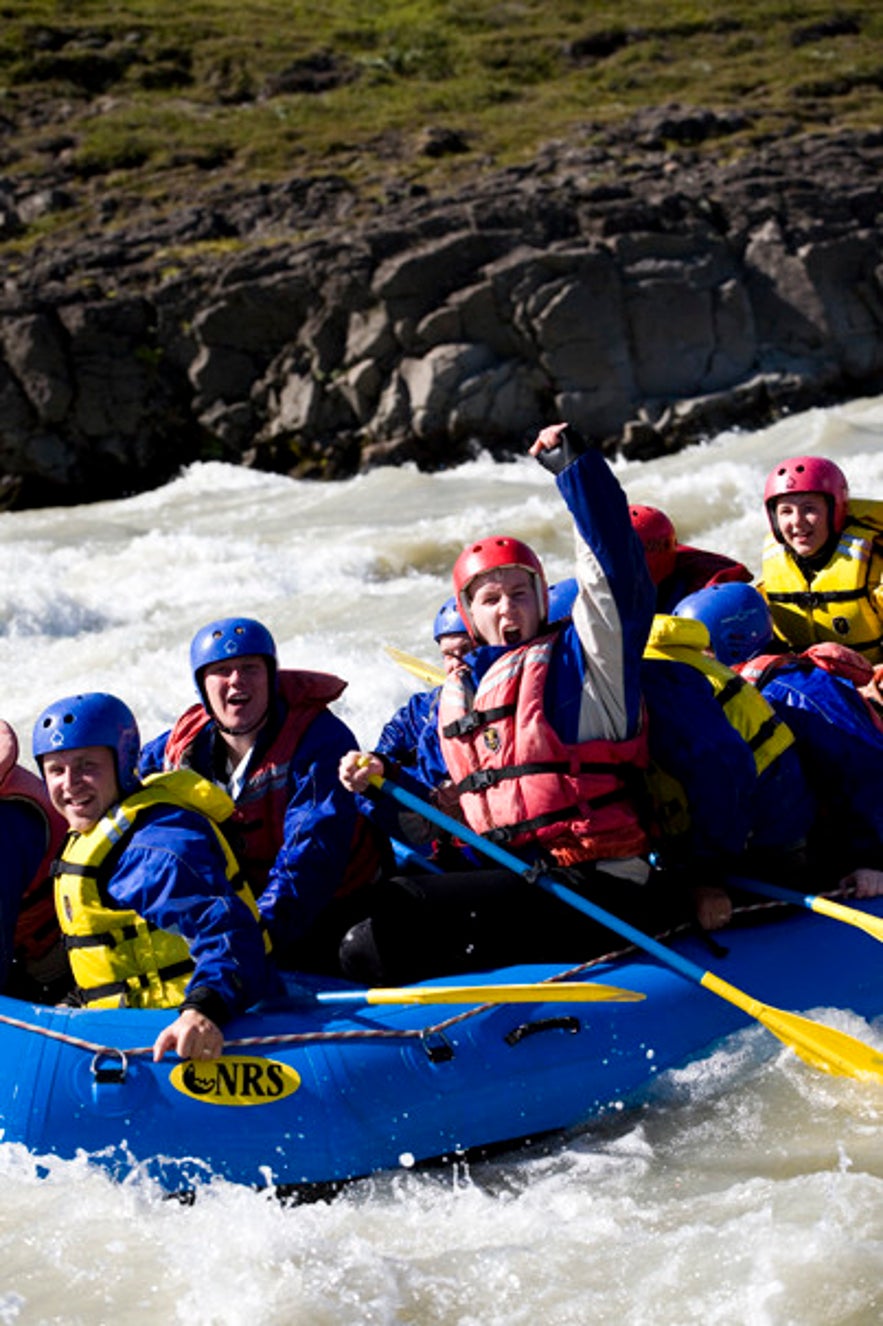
747	1192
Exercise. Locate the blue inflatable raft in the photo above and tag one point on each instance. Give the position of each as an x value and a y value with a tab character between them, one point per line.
315	1093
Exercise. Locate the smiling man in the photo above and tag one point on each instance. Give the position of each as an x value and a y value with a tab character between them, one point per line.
270	739
150	899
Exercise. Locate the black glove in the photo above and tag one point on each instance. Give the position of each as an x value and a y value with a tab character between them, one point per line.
570	445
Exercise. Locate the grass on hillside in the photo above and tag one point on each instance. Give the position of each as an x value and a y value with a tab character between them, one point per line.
153	98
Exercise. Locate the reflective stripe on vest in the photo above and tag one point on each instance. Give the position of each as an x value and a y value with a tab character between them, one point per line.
116	956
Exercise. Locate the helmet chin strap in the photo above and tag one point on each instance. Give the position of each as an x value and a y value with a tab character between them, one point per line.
243	731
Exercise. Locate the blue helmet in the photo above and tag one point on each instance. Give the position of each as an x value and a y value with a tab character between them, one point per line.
737	618
230	637
562	597
94	719
448	620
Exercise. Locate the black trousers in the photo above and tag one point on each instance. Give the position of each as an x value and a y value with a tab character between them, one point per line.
435	925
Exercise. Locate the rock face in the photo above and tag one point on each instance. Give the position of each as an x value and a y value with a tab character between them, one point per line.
647	295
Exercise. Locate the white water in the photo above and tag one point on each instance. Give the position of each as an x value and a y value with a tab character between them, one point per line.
750	1193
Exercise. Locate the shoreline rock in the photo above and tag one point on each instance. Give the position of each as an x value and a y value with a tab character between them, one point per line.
627	282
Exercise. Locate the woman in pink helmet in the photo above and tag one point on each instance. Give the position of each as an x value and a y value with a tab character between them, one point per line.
822	573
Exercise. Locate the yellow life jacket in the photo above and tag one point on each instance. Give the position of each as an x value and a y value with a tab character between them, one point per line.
834	603
683	640
118	959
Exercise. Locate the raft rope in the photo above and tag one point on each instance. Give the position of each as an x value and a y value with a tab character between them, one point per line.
374	1033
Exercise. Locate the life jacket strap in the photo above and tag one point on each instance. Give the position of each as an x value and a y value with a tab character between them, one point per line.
764	732
506	833
730	690
811	599
104	940
482	779
475	719
60	867
140	982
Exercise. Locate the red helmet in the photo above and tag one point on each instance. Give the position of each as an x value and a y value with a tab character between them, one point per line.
658	536
488	555
807	474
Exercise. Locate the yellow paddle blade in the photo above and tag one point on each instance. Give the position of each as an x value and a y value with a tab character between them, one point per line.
561	993
427	672
824	1047
820	1046
872	925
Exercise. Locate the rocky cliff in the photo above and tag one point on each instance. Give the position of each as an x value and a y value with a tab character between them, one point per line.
630	283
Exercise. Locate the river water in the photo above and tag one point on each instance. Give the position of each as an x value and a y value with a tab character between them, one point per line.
749	1192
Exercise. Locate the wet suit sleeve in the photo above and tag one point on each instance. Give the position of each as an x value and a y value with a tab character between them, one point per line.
172	873
615	601
320	821
692	741
401	735
152	755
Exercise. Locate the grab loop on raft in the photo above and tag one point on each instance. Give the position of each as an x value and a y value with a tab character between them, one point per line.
110	1065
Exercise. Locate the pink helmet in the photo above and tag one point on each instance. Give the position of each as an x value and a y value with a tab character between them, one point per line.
807	474
658	536
488	555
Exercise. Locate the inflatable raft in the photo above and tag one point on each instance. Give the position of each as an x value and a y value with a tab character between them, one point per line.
314	1093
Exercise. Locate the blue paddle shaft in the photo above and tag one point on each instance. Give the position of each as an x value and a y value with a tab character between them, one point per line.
773	891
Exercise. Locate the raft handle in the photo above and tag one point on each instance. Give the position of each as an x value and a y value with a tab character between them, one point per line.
568	1024
114	1072
437	1046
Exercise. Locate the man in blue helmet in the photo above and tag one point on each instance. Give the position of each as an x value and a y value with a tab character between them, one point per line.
403	740
150	899
838	734
410	740
708	735
269	738
747	802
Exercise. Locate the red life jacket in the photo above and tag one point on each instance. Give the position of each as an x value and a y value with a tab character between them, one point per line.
258	823
519	782
37	929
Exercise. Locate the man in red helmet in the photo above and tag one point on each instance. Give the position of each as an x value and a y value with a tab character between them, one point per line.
544	737
675	568
823	559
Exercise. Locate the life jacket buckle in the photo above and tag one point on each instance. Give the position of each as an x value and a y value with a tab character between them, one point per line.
463	726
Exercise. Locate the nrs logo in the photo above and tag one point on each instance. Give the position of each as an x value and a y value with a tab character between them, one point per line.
235	1080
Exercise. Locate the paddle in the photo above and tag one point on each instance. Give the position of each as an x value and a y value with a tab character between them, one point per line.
539	992
407	856
872	925
822	1047
427	672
